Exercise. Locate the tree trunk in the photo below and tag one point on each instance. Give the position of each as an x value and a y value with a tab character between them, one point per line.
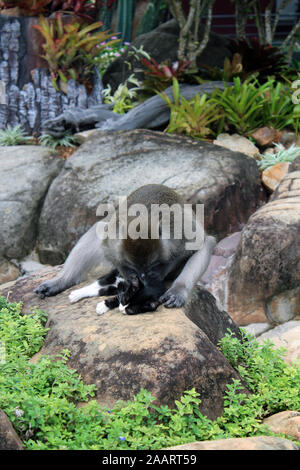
190	46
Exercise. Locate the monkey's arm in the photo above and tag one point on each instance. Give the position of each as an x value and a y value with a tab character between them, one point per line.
86	255
192	271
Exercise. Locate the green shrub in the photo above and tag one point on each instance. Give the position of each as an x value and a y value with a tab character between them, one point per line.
41	398
195	118
278	109
71	50
110	53
242	108
125	97
242	104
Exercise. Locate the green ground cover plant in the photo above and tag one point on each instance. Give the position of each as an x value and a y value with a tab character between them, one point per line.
41	398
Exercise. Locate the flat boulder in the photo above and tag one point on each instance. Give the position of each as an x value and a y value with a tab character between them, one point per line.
26	172
240	443
166	352
285	422
237	143
109	165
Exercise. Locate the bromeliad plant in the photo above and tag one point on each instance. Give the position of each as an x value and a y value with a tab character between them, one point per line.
70	49
242	104
196	118
160	76
261	59
250	105
278	107
240	108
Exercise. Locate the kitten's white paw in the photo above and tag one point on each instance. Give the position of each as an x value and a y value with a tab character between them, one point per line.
92	290
101	308
122	309
74	296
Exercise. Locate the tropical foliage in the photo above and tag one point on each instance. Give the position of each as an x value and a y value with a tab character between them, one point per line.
70	49
241	108
160	76
195	118
125	97
85	8
41	397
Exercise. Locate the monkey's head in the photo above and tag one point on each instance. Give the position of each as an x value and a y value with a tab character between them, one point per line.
142	258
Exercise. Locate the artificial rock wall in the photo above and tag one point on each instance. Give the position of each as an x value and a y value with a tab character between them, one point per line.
27	96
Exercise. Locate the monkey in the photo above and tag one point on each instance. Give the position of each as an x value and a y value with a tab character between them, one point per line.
152	259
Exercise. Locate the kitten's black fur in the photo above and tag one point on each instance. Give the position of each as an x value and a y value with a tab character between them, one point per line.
134	295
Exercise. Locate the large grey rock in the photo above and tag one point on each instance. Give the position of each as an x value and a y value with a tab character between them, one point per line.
162	44
114	164
167	352
25	175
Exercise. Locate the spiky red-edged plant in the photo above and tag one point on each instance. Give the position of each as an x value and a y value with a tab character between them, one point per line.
70	49
159	76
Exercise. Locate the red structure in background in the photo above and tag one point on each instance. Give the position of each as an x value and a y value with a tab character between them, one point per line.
224	18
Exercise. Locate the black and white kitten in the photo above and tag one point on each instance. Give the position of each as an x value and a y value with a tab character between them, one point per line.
131	297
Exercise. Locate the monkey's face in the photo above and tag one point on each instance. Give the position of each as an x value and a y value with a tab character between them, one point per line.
147	274
142	258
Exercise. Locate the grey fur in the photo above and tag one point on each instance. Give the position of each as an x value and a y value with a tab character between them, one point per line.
91	251
85	257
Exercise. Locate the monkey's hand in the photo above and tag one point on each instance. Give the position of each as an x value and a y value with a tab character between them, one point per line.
175	297
47	289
